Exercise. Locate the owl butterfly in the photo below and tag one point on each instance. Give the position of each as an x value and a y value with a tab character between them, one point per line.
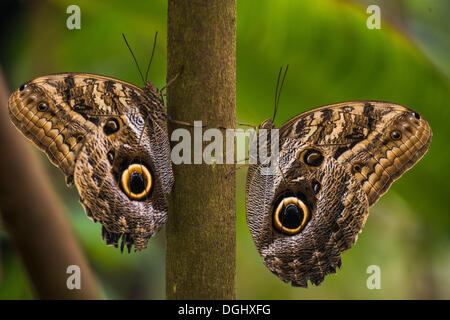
334	163
110	139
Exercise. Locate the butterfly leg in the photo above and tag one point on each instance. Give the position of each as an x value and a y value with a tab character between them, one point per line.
246	125
172	80
235	169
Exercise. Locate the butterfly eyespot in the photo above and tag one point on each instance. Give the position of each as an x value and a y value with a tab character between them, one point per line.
22	87
43	106
291	216
356	168
111	126
416	115
80	138
312	157
136	181
396	135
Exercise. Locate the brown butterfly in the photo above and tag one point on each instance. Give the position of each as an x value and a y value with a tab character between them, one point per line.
334	163
109	137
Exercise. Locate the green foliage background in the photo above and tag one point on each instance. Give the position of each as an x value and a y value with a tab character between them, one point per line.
333	57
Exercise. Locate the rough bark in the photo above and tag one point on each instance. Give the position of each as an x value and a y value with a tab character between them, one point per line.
200	258
34	218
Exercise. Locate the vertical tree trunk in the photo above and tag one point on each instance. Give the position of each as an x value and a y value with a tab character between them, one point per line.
200	259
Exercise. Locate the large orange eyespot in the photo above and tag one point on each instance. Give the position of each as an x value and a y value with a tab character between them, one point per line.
136	181
291	216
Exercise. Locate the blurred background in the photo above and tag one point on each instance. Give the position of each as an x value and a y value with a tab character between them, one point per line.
333	57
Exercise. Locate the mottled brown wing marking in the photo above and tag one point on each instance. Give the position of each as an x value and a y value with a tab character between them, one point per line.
385	160
340	128
56	138
256	183
356	123
339	211
75	87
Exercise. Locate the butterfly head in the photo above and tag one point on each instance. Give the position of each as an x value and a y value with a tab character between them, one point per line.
150	88
267	124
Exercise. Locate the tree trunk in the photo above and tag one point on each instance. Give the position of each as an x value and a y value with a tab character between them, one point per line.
35	220
201	237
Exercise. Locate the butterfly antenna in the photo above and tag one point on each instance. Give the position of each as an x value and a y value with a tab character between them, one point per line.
151	57
276	94
278	89
135	61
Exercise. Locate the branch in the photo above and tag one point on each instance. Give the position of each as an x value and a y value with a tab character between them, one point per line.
201	234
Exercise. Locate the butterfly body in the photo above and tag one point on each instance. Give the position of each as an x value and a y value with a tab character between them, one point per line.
95	128
334	162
